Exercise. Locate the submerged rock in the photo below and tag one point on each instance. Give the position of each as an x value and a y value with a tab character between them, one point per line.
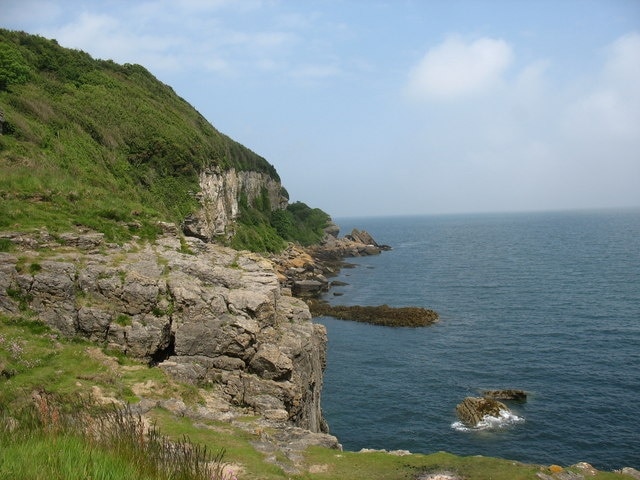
377	315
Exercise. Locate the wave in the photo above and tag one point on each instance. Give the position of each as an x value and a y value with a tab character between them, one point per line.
488	422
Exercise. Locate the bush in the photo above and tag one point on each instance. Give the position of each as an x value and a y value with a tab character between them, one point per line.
13	68
300	223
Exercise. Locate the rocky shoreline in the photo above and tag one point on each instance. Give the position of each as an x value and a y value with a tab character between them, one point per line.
377	315
305	271
207	315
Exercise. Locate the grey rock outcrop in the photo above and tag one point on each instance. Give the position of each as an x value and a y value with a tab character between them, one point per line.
304	270
358	243
217	317
220	195
632	472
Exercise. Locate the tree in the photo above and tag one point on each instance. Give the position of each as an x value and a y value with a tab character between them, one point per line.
13	68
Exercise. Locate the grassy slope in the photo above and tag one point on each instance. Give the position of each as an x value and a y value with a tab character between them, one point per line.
92	143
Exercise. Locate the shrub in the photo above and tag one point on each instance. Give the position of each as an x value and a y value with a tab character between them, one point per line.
300	223
6	245
13	68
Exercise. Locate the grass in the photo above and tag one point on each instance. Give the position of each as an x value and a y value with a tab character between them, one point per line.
54	439
383	466
66	457
46	410
50	429
217	435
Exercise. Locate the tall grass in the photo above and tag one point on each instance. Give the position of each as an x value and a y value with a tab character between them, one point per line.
78	439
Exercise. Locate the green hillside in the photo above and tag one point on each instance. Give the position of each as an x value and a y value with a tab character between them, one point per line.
90	143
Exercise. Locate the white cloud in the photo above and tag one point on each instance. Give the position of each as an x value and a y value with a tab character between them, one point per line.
172	39
611	108
108	37
623	62
456	68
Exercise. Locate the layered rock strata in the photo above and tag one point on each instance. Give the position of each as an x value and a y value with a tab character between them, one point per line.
213	316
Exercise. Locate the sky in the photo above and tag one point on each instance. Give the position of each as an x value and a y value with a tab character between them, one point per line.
394	107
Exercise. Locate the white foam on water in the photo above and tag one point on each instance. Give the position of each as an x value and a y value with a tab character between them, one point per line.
488	422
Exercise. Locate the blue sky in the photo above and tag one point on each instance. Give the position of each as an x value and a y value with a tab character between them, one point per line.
395	107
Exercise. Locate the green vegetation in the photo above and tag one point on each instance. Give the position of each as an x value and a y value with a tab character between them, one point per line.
5	245
90	143
123	320
52	428
261	229
51	438
300	223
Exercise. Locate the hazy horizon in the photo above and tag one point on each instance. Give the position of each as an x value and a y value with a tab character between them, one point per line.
377	108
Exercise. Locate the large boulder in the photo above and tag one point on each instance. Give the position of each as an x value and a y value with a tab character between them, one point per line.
362	236
472	410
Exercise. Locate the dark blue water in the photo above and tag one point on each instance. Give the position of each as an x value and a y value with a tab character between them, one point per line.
548	303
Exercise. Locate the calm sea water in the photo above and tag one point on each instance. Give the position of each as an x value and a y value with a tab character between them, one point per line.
548	303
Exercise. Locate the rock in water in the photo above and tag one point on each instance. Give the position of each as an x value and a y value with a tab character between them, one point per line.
510	394
473	409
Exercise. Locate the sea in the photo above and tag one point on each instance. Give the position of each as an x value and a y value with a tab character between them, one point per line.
548	303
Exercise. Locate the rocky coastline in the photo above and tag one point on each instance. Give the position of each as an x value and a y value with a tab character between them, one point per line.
305	271
224	321
207	315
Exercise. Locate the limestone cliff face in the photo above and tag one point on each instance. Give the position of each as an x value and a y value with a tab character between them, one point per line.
220	195
214	317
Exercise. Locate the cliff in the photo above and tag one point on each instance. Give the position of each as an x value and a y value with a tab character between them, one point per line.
220	196
103	171
212	316
93	144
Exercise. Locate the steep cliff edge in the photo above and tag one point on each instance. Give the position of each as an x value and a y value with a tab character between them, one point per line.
204	313
219	198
